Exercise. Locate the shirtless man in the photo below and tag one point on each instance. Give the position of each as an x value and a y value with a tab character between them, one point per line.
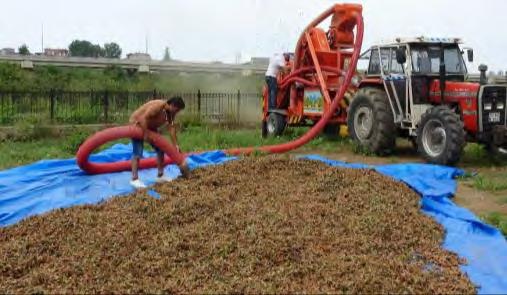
151	116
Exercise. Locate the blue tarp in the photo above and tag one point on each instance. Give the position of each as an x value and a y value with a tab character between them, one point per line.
52	184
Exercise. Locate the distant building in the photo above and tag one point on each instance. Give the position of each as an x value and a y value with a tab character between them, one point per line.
259	60
7	51
139	56
56	52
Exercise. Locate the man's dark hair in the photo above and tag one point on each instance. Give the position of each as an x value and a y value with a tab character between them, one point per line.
176	101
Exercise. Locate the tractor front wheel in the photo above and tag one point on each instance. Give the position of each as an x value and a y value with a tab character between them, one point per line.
441	136
275	124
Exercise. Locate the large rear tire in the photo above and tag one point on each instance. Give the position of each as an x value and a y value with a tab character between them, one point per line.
441	136
371	123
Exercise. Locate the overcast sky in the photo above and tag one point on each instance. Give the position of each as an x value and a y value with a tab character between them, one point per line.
209	30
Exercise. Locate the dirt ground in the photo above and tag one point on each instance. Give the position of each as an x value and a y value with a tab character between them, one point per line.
268	224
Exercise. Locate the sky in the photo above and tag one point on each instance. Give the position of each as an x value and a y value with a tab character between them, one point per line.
218	30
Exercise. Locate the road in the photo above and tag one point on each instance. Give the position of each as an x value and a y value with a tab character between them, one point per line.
138	65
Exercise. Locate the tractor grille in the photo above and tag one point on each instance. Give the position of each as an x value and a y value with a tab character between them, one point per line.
492	112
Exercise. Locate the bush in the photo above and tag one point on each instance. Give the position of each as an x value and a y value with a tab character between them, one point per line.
190	120
75	139
32	128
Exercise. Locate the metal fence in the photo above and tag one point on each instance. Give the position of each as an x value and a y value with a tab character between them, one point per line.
92	107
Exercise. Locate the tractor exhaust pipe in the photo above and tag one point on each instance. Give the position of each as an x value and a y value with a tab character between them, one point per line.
483	80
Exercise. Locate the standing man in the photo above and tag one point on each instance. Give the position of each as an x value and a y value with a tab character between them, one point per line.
276	63
152	116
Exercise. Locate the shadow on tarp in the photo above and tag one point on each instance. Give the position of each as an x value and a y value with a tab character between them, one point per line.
51	184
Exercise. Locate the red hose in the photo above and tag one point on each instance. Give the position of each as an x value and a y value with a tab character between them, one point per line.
116	133
107	135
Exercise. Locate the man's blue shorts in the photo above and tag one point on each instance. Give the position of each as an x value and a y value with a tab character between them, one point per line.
138	147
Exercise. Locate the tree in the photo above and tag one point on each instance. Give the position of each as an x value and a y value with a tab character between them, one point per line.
98	51
23	50
83	48
167	54
112	50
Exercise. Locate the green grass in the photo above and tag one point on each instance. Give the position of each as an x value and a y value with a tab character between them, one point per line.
498	220
21	153
24	150
477	155
209	138
491	182
43	78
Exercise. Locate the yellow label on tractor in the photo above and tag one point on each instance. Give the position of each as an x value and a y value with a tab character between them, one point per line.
344	131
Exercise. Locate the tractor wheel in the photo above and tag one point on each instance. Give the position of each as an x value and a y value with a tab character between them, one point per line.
275	124
371	123
332	131
441	136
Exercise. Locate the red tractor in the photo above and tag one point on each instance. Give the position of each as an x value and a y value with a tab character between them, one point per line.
416	89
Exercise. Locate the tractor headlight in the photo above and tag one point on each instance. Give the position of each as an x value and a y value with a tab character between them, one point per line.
500	106
488	106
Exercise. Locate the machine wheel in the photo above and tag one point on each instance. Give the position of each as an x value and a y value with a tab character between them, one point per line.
275	124
371	123
264	129
441	136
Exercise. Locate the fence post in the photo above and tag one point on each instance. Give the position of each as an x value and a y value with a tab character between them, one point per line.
52	100
106	106
238	104
155	94
199	102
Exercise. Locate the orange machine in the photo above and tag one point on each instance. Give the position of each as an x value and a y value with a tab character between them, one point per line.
316	73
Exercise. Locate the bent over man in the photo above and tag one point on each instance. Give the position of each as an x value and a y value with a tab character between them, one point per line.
152	116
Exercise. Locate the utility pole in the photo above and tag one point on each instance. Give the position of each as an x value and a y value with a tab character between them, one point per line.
146	42
42	38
